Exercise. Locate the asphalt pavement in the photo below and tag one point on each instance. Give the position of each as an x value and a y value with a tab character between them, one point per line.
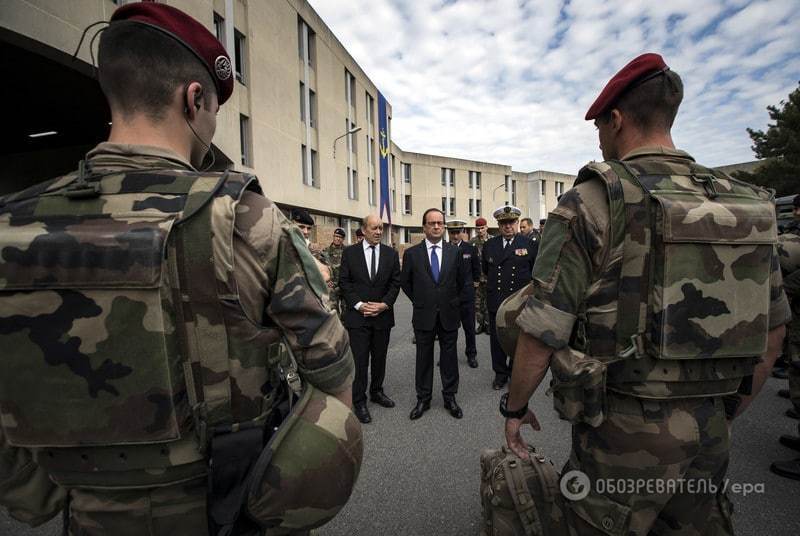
422	477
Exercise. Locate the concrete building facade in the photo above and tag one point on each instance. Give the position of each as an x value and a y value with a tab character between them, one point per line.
303	117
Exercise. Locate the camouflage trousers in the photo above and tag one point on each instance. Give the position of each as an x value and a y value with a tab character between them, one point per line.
481	314
653	468
178	510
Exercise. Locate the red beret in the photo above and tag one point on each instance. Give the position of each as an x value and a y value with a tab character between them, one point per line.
637	71
480	222
190	33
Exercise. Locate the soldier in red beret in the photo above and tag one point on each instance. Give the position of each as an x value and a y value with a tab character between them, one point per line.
159	321
638	309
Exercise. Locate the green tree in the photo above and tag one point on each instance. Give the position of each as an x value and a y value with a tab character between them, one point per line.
779	146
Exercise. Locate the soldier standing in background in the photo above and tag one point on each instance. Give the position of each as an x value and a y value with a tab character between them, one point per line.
481	316
334	255
526	229
642	387
303	221
789	256
142	320
469	256
507	263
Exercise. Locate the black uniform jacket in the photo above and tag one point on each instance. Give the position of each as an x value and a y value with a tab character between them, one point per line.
507	270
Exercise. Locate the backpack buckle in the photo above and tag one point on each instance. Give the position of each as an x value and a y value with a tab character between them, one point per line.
636	349
708	184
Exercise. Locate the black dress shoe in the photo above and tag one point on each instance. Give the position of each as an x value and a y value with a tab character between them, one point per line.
421	407
479	330
780	373
790	469
362	413
452	407
793	442
499	382
472	362
783	393
381	399
792	413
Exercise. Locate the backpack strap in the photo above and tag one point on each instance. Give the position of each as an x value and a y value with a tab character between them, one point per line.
637	264
521	495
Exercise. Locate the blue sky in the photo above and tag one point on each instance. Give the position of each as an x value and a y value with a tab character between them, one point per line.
509	81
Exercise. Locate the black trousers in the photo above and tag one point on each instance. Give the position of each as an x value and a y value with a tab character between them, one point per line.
448	362
468	323
367	341
500	362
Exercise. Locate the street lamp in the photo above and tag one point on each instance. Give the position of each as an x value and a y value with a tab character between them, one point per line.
351	131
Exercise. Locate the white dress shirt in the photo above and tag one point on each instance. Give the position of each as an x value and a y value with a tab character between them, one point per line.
429	245
368	260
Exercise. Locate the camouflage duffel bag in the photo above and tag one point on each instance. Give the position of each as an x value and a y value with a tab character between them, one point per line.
520	497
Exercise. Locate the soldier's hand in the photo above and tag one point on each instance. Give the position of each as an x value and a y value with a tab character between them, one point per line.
513	436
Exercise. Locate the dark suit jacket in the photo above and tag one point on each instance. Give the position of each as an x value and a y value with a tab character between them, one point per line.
355	286
469	254
507	270
430	298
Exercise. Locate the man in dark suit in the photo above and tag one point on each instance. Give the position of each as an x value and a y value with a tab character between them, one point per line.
469	256
435	279
507	261
369	281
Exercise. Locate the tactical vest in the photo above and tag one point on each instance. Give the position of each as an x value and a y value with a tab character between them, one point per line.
689	272
119	322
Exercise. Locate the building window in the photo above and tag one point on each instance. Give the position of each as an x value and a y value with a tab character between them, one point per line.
310	166
352	183
406	236
444	205
219	27
370	109
477	207
240	55
542	187
352	139
452	211
475	180
448	177
407	173
306	41
349	88
312	104
302	102
559	188
514	193
371	191
471	207
407	208
244	137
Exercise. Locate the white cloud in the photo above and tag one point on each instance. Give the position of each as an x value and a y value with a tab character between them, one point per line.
509	81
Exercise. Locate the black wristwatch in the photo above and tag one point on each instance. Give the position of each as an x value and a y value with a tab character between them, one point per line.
505	412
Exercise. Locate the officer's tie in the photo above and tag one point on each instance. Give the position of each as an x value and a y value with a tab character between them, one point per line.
372	265
508	244
435	264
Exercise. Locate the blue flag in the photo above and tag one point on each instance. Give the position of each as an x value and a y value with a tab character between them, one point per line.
383	160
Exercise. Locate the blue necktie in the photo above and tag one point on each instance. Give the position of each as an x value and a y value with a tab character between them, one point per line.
435	264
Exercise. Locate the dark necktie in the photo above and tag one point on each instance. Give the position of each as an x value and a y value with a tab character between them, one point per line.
372	265
508	243
434	264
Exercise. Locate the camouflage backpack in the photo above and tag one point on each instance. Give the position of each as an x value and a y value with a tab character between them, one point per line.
689	267
117	306
520	497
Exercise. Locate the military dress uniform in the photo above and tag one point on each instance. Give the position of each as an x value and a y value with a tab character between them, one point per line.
469	256
507	266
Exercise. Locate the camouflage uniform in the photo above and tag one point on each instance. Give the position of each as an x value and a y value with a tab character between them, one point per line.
100	322
481	314
334	256
789	251
649	417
